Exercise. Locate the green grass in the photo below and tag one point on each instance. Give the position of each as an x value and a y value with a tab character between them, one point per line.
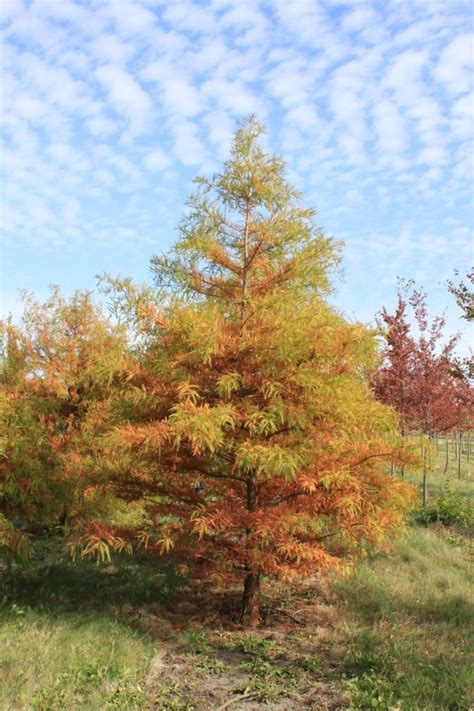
72	634
62	585
410	613
77	661
78	637
410	631
437	478
397	633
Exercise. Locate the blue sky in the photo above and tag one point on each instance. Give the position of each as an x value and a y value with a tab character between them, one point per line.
111	108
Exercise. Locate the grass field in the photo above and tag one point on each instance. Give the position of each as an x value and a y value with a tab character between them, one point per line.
396	633
437	478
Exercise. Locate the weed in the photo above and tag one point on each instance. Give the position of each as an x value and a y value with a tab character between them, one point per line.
195	640
51	664
449	508
369	691
405	640
255	646
270	676
210	665
167	699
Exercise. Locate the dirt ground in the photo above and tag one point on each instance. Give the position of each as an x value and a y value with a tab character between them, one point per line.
284	665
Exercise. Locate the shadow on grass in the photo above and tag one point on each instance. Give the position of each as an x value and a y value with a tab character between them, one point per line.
66	586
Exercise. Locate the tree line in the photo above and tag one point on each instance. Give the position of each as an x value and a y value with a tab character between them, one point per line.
227	416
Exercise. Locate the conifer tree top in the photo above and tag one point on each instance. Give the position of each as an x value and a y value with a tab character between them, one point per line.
246	232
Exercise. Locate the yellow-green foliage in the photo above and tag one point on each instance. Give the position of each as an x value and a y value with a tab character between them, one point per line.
58	367
247	419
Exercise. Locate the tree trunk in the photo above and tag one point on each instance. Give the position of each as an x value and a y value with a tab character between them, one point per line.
250	612
402	432
245	255
459	455
446	461
425	479
469	446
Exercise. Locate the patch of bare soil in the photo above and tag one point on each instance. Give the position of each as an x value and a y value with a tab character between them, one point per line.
208	662
182	684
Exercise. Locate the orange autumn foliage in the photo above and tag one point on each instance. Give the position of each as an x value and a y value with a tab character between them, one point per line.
246	427
58	366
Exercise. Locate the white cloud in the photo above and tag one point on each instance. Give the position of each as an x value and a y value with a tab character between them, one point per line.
219	127
101	126
112	50
130	18
233	96
308	22
10	8
348	100
455	64
182	96
157	160
292	82
188	147
433	155
183	15
127	97
404	76
462	123
359	19
389	125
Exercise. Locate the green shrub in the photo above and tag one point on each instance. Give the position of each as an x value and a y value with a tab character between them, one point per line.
450	508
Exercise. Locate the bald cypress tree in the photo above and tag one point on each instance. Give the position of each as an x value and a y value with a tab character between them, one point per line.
247	425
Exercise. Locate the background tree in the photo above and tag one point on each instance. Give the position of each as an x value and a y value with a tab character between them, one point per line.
434	382
393	380
464	295
28	463
248	429
420	375
57	371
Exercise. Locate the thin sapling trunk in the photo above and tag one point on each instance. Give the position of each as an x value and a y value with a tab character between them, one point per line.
459	455
425	478
446	461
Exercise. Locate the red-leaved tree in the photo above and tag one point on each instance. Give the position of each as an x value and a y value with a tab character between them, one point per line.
419	375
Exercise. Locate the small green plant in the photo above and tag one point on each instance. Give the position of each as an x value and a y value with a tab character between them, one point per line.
195	640
210	665
75	688
308	663
169	702
126	696
371	691
450	508
270	675
255	646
